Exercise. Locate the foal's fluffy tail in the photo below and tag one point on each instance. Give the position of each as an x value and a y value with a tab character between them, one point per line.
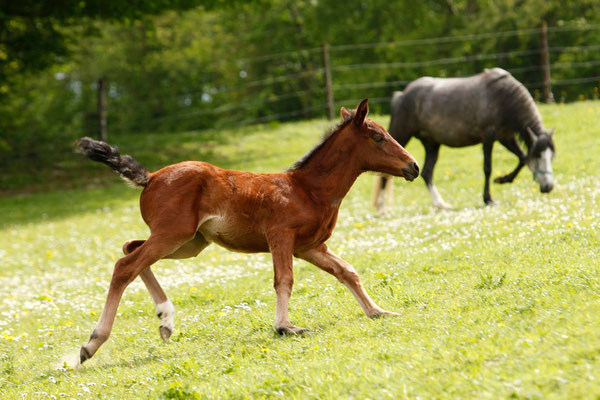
129	169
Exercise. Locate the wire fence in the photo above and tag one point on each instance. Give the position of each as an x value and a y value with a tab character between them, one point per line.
292	85
298	89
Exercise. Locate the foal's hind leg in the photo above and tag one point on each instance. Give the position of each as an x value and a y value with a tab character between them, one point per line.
126	270
187	250
165	310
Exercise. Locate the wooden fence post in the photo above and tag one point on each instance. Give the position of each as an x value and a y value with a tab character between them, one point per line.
545	61
102	108
328	88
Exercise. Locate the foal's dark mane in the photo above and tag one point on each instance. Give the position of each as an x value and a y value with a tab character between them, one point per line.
326	136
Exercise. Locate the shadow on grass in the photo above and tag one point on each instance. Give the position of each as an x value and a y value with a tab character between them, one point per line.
59	204
76	185
62	167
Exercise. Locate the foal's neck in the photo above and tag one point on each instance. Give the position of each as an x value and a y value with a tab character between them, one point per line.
330	173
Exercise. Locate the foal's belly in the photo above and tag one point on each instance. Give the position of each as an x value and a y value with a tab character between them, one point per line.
232	236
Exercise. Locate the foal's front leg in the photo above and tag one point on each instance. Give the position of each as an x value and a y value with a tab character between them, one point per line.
281	249
325	259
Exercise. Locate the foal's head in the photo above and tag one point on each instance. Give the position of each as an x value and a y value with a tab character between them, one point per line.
539	159
377	150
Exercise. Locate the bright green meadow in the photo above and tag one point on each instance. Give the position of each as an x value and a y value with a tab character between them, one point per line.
495	302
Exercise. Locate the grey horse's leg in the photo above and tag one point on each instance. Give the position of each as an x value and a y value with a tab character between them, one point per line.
431	155
513	146
384	183
488	144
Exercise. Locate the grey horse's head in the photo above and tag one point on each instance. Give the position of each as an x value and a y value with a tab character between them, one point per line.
539	159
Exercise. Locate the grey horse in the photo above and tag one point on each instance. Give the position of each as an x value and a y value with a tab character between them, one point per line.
459	112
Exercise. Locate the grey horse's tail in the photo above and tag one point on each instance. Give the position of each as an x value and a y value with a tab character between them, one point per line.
395	98
129	169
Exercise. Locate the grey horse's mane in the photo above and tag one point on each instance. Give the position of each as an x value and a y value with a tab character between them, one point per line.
328	135
520	111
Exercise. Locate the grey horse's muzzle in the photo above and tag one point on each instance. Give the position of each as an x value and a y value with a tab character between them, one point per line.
545	187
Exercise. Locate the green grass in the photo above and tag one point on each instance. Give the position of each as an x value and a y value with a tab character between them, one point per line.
496	302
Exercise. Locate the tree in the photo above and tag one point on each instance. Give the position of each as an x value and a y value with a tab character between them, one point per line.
33	34
219	65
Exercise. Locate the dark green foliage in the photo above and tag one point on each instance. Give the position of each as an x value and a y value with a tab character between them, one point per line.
214	64
32	33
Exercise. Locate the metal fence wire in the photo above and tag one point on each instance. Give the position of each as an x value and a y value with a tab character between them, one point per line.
315	82
326	77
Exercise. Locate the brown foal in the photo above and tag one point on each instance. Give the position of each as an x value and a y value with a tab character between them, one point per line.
191	204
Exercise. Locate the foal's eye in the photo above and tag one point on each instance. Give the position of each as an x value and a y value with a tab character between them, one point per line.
378	138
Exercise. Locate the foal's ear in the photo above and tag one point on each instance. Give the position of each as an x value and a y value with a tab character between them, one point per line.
345	113
362	110
550	132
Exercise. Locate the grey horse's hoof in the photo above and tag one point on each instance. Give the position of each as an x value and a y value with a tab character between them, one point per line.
503	179
165	333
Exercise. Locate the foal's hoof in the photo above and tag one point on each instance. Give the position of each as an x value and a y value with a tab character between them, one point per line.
490	202
84	355
383	313
165	333
290	330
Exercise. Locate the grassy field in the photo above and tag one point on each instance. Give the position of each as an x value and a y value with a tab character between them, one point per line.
495	302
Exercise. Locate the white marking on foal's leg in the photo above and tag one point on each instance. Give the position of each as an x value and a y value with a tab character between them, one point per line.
166	313
436	198
281	310
282	320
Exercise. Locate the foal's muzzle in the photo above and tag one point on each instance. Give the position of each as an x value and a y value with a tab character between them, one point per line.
411	172
546	188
